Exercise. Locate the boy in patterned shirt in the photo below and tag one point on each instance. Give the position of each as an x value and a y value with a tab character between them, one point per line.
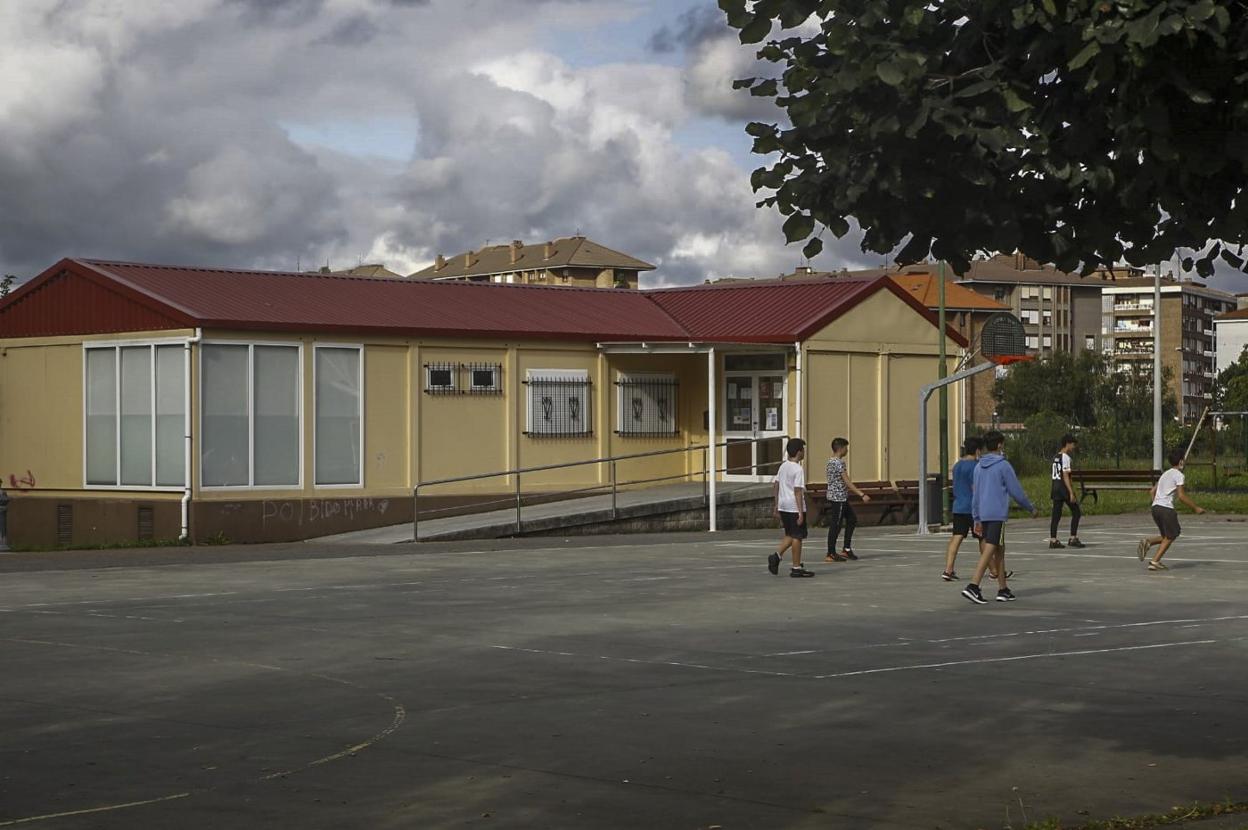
838	508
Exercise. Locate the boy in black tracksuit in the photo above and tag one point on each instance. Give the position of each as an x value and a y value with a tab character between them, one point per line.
1063	493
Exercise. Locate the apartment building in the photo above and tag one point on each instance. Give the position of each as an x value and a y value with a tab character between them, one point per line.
1188	346
572	261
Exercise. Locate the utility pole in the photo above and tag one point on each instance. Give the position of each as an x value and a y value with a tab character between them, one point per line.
1157	369
942	372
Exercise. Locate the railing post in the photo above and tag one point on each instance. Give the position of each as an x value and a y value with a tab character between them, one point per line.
416	514
517	502
706	463
4	521
613	489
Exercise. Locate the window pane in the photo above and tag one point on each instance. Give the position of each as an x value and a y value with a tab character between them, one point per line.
276	380
136	415
170	416
223	408
337	416
101	416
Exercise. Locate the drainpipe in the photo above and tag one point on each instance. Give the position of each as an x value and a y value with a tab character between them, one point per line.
797	419
711	449
186	430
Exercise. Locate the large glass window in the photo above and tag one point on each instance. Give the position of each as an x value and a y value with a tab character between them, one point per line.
249	415
339	415
135	410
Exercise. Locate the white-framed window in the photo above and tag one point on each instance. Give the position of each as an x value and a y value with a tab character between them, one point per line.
1048	341
1033	341
646	403
440	378
1089	341
251	414
134	410
1030	316
484	378
557	403
338	376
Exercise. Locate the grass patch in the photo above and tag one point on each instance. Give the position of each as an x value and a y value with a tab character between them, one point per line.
125	544
1176	815
1113	502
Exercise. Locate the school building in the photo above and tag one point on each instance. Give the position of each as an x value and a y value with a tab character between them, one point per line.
152	402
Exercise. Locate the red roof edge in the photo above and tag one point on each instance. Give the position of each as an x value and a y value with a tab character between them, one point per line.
107	281
868	289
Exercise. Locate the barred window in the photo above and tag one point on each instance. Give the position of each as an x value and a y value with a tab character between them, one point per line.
558	403
647	404
484	378
440	378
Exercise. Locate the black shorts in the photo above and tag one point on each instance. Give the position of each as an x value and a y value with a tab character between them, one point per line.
1167	519
791	528
962	524
993	532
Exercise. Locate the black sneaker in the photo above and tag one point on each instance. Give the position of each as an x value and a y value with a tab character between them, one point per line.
1005	595
950	576
833	556
799	572
1054	545
1075	543
773	563
973	593
848	553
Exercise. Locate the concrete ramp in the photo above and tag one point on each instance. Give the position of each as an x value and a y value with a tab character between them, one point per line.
672	507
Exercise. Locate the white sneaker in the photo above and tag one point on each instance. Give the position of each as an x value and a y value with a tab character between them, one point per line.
1141	550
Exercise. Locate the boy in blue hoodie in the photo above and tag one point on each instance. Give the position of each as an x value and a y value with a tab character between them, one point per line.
963	485
995	484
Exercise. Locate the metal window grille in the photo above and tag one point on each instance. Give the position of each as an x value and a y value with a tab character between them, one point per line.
64	524
648	405
440	378
484	378
559	406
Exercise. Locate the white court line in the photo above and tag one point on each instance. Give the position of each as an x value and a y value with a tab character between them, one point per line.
1009	659
675	663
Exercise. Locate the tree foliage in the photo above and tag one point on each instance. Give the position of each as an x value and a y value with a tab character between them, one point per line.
6	284
1079	133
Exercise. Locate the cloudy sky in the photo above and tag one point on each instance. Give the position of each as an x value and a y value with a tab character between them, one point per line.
277	133
271	133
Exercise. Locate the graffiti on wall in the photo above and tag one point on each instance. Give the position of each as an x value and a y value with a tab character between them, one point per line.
312	511
16	481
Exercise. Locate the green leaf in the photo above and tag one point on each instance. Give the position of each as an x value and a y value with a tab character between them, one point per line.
890	73
977	88
743	83
756	30
759	129
1013	102
1050	7
1088	53
812	248
798	227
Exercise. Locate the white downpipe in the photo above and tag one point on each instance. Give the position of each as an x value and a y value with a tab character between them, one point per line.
797	419
186	432
711	449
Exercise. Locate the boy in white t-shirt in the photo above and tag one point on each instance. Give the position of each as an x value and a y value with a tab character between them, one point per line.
1167	518
789	488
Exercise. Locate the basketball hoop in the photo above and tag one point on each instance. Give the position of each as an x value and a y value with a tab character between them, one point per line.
1002	340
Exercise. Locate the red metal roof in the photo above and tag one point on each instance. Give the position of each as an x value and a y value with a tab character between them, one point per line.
776	312
86	296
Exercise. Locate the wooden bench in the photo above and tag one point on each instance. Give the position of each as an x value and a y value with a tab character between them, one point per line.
892	500
1090	481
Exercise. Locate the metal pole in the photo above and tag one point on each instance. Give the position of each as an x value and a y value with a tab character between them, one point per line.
942	372
517	503
416	514
710	434
1157	437
613	507
4	521
924	394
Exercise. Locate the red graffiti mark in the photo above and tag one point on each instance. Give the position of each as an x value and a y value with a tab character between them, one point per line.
26	483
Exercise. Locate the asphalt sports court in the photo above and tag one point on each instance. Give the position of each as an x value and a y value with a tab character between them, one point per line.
622	682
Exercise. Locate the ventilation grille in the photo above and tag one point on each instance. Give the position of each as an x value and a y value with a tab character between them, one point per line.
145	525
64	524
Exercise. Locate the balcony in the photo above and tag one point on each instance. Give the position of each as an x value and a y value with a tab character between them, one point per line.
1132	308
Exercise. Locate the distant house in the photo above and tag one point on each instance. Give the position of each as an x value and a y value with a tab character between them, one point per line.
371	270
570	261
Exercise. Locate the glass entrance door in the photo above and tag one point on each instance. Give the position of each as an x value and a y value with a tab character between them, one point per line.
753	425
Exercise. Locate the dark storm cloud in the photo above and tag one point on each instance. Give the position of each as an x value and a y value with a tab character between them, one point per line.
354	31
693	27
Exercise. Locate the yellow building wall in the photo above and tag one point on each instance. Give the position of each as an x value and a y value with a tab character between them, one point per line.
462	434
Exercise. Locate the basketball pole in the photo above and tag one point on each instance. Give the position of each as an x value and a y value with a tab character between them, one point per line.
943	431
925	395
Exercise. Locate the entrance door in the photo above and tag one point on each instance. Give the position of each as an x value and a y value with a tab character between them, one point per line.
754	423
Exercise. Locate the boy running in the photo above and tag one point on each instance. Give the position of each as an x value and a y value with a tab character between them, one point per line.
1063	493
994	485
839	510
789	489
963	481
1164	514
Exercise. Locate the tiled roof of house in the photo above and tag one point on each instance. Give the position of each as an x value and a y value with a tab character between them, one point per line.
126	296
926	289
568	252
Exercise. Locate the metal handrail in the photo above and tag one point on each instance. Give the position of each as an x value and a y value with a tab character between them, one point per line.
613	483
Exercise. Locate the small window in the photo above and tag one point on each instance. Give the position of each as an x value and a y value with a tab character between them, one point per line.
1089	341
484	378
558	403
647	404
440	378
